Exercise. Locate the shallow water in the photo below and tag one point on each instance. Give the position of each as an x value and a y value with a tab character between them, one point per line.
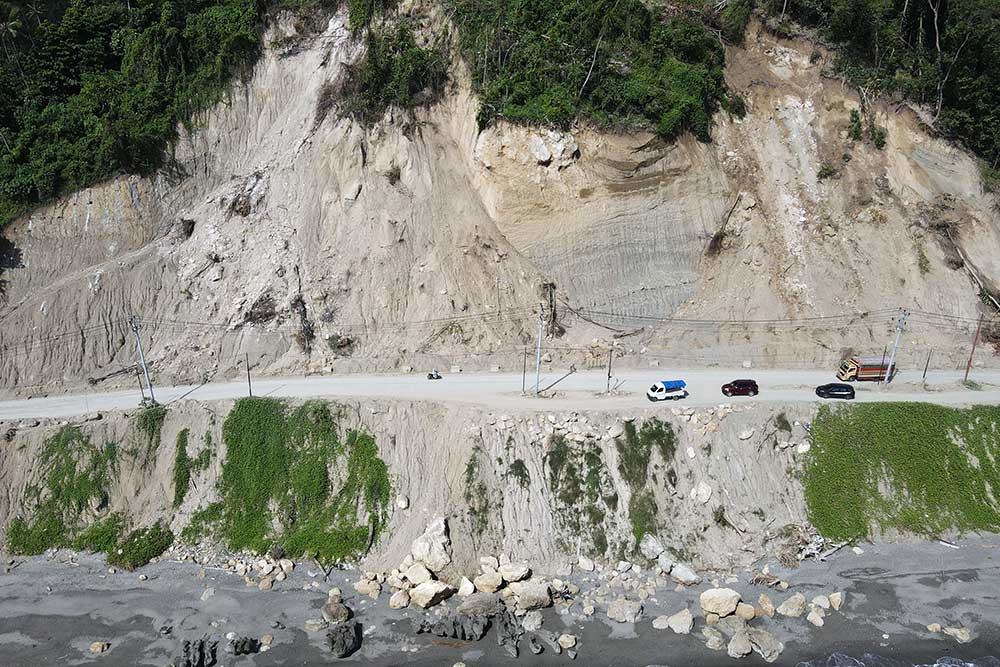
873	660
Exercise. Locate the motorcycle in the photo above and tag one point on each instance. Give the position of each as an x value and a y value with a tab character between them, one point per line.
433	375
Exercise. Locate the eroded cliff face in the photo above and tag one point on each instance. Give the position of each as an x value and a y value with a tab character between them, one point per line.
719	485
305	241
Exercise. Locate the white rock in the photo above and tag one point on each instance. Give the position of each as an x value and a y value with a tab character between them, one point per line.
209	592
683	574
857	550
625	611
816	617
681	622
567	641
794	606
430	593
399	600
836	600
665	562
532	621
802	448
531	594
286	565
821	601
417	574
402	502
466	588
624	566
650	546
766	606
489	563
934	627
746	435
489	582
721	601
539	150
701	493
661	622
433	547
515	571
961	635
585	564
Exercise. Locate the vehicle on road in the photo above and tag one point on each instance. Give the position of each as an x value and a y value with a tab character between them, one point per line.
741	388
434	375
835	390
873	369
667	390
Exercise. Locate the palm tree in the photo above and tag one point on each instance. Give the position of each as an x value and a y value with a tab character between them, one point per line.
10	26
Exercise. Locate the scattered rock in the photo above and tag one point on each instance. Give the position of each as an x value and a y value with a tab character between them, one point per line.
532	594
99	647
721	601
711	619
344	638
489	563
836	600
242	645
399	600
534	646
794	606
650	546
765	644
432	548
334	595
716	641
402	502
430	593
585	564
625	611
370	588
286	566
766	606
199	653
746	435
623	566
489	582
417	574
315	624
267	640
739	645
515	571
336	612
567	641
858	551
934	627
745	611
661	623
701	493
961	635
207	593
466	588
681	622
683	574
532	621
665	562
821	601
266	584
484	604
143	577
816	617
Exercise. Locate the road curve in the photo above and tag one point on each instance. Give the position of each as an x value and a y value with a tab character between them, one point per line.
502	391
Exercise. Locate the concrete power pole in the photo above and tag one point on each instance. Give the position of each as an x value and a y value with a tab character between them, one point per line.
538	353
900	325
134	324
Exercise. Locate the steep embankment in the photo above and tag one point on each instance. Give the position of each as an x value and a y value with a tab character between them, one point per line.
304	241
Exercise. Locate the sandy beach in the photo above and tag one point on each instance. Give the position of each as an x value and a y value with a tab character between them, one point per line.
53	607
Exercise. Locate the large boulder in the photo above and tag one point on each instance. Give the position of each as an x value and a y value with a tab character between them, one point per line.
624	611
399	600
489	582
430	593
433	547
683	574
721	601
739	645
336	612
515	571
532	594
650	546
766	606
483	604
417	574
765	644
714	639
344	638
794	606
681	622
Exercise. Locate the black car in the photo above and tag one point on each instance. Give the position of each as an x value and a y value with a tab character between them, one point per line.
835	390
741	388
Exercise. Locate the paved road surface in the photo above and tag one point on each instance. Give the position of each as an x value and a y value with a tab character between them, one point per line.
502	391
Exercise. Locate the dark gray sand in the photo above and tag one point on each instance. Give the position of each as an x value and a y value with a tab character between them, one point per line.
51	611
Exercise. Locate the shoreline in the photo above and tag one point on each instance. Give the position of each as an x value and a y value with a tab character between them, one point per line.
51	612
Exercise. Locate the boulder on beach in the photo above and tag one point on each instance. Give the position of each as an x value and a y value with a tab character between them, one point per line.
532	621
624	611
417	574
466	588
430	593
399	600
714	639
765	644
336	612
650	546
515	571
766	606
721	601
681	622
739	645
483	604
794	606
961	635
816	616
745	611
531	594
344	638
433	547
683	574
489	582
836	600
585	564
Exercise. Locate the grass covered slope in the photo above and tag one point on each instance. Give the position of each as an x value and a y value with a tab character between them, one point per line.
289	478
913	467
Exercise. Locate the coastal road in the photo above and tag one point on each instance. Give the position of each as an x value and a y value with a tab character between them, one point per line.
502	391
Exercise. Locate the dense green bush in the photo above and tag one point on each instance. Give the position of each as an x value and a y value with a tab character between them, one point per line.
141	546
615	62
90	88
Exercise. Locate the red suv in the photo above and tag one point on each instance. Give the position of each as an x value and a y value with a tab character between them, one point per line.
741	388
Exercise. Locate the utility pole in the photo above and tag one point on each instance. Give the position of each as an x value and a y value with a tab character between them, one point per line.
928	364
610	355
498	295
975	339
249	386
538	354
900	325
134	324
885	351
138	379
524	371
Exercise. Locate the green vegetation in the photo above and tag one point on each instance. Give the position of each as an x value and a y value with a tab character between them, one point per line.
329	497
77	481
476	494
781	421
204	523
149	421
633	463
582	488
642	514
826	170
141	546
940	54
520	472
102	536
913	467
182	469
923	262
91	88
615	62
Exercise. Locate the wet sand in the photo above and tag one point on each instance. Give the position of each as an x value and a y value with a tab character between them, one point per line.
51	611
